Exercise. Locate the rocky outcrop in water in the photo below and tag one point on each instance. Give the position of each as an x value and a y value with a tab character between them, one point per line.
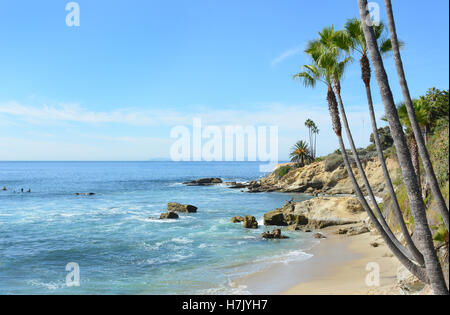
204	182
237	219
4	188
178	207
275	234
250	222
317	213
169	215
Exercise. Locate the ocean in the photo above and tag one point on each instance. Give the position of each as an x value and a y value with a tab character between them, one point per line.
116	238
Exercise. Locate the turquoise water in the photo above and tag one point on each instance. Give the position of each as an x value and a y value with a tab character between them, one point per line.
119	248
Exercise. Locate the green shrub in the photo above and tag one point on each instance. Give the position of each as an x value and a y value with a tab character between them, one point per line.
439	152
283	170
332	162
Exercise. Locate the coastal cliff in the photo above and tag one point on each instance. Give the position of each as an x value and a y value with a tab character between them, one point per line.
325	177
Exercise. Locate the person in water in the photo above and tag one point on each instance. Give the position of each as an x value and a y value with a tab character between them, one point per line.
21	190
29	190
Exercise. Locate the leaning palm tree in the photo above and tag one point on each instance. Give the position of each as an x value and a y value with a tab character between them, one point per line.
323	70
300	153
353	40
428	166
421	115
433	268
328	46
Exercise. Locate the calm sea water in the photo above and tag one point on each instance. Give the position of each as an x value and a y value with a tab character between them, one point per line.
114	239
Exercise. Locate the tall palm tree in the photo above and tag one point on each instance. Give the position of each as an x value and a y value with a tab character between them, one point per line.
316	132
421	115
422	230
300	153
323	70
328	46
428	166
310	125
353	39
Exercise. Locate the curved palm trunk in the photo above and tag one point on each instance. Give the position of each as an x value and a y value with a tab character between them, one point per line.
366	76
373	200
428	166
415	158
416	270
433	267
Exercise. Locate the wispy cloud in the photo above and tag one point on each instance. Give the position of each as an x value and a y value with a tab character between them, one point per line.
285	55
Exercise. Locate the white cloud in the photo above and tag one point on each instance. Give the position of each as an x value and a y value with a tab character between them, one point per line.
285	55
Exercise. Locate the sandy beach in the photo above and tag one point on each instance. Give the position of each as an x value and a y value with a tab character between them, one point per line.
338	267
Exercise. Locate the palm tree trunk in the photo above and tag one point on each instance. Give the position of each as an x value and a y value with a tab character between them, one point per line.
415	158
433	267
416	270
366	76
375	206
428	166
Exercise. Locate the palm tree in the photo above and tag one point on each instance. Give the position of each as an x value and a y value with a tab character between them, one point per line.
324	70
300	153
328	46
310	124
316	132
421	115
428	166
353	39
433	268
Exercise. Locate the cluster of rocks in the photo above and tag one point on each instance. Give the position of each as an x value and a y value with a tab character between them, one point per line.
317	213
204	182
275	234
173	208
354	230
248	222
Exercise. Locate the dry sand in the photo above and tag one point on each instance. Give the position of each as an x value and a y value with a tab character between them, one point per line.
338	267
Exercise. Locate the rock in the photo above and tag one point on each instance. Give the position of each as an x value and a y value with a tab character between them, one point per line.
84	194
237	219
318	178
204	182
374	244
353	231
275	234
298	228
250	222
177	207
238	186
319	236
407	282
317	213
4	188
169	215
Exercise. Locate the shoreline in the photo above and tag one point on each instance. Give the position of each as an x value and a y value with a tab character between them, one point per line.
337	267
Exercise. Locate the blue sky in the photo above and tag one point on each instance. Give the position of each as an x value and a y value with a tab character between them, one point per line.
113	88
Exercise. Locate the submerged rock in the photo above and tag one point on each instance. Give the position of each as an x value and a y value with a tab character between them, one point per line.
169	215
237	219
84	194
178	207
250	222
275	234
204	182
4	188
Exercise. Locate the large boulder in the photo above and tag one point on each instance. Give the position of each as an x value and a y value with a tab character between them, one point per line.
178	207
275	234
250	222
169	215
204	182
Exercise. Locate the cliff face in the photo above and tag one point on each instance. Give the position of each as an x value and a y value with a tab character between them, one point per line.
322	178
